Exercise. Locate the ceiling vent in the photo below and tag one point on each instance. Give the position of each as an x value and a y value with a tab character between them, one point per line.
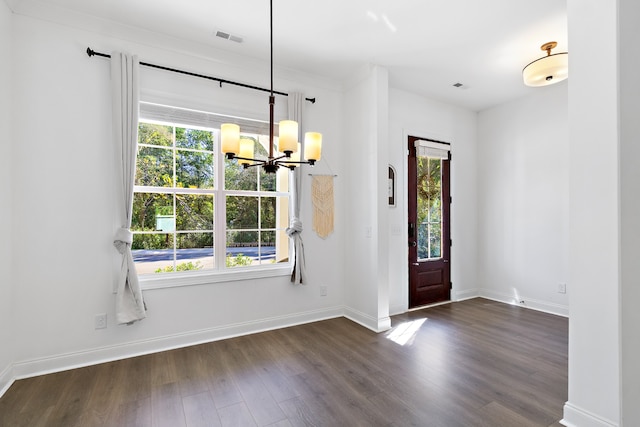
228	36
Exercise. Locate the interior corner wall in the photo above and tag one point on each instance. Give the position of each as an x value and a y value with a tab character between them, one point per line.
523	200
594	218
63	183
366	289
411	114
6	193
629	38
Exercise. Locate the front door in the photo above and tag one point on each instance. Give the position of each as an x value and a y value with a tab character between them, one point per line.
429	241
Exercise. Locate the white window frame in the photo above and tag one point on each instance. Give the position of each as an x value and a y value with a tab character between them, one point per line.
220	273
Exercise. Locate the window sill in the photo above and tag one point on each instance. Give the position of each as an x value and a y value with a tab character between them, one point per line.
174	280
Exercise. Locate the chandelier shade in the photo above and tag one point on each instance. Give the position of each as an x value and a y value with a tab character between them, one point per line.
547	70
242	149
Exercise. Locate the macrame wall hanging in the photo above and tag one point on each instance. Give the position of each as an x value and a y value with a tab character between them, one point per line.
322	199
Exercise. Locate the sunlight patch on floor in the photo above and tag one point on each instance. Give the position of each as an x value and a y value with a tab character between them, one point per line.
404	333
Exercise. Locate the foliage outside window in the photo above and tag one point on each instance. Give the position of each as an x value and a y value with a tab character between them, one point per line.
429	208
194	210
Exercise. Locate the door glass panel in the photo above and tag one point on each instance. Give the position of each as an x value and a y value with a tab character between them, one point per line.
429	218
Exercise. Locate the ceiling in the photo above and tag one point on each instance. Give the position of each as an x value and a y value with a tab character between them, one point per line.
426	45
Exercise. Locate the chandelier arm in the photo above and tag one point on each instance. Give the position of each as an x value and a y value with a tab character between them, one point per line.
250	159
302	162
247	166
275	159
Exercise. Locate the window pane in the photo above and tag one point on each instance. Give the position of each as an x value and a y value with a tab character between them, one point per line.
236	177
429	208
194	139
154	167
267	212
152	212
194	211
194	169
435	231
242	248
242	212
267	247
268	180
423	241
194	251
152	253
155	134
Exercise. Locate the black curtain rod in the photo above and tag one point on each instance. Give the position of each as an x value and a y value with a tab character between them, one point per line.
92	52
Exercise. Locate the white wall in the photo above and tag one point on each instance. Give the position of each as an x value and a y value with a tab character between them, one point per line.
6	174
64	186
523	203
629	37
414	115
594	331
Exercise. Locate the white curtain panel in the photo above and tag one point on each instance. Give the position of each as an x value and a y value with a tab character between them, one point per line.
130	305
298	270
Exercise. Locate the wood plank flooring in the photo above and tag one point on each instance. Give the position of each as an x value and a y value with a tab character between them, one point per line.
472	363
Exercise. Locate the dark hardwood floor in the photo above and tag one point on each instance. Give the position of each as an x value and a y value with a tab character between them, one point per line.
472	363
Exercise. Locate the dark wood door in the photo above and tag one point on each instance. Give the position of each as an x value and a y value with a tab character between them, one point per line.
429	228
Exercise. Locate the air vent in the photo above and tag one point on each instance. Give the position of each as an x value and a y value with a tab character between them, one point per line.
228	36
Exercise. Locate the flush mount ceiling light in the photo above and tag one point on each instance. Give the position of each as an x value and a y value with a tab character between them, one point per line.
547	70
242	149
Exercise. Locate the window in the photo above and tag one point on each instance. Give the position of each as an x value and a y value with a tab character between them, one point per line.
195	212
429	208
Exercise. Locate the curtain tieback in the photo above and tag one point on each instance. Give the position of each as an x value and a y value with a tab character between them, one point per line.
295	227
123	237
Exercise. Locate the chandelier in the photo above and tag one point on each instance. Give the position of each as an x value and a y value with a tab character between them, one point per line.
236	147
547	70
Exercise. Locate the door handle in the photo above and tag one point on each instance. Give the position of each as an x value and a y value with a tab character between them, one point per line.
413	244
415	263
445	260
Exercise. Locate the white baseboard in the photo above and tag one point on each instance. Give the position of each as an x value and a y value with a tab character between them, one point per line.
369	322
466	294
575	416
544	306
6	379
397	309
62	362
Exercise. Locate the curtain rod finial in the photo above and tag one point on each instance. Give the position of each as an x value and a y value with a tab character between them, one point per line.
90	52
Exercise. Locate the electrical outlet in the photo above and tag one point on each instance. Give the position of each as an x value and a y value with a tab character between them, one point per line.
562	288
101	321
323	291
368	232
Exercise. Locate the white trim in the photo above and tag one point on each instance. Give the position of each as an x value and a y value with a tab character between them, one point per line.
6	379
397	309
173	280
575	416
523	301
369	322
435	304
63	362
465	294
